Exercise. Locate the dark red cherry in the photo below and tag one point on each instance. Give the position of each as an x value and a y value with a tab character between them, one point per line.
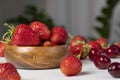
112	51
116	48
102	62
114	69
93	53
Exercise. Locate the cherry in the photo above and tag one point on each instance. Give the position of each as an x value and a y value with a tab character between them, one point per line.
112	51
114	69
93	53
116	48
102	62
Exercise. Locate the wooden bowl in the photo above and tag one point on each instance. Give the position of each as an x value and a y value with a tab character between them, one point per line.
27	57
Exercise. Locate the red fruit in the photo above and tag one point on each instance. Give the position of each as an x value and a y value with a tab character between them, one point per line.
93	53
79	50
8	72
118	43
94	44
77	40
70	66
41	29
24	36
75	50
118	46
59	35
2	48
102	62
48	43
103	42
114	69
112	51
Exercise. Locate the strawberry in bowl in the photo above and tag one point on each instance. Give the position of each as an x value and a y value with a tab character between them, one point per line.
34	46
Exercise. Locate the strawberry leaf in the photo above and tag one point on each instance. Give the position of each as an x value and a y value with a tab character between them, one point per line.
7	36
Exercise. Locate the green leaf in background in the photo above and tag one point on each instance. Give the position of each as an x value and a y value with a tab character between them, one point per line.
30	14
105	19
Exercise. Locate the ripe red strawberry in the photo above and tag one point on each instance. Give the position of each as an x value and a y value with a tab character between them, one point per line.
48	43
103	42
70	66
59	35
78	39
94	44
2	48
118	43
24	36
8	72
79	50
41	29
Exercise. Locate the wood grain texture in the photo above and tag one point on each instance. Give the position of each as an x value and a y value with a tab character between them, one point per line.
35	57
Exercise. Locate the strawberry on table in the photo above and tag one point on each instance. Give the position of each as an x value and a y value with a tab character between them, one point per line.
77	46
118	43
70	66
102	41
75	50
79	50
59	35
78	39
24	36
94	44
8	72
41	29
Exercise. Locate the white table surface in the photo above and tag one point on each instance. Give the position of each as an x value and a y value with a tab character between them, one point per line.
89	72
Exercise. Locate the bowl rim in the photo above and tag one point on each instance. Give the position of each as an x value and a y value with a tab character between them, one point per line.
37	46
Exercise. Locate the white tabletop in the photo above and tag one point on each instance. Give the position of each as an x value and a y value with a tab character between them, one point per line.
89	72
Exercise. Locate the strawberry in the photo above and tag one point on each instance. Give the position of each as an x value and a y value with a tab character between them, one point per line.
24	36
41	29
94	44
2	48
118	43
48	43
70	66
103	42
74	50
78	39
59	35
79	50
8	72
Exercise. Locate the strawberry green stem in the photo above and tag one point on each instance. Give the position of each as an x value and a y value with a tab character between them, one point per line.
79	55
86	50
70	36
7	36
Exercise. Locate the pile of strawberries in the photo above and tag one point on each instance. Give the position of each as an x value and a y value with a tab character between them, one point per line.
79	46
35	34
